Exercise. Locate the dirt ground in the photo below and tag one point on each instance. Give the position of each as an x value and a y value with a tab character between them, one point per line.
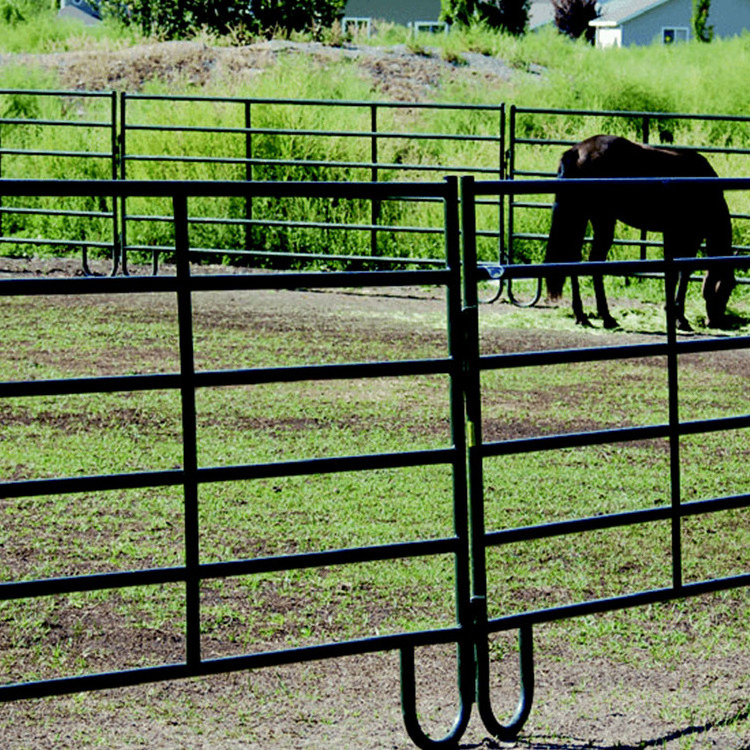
582	701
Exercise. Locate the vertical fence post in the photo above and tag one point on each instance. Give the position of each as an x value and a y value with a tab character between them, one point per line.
670	288
509	174
457	341
248	175
115	145
646	132
189	433
475	479
472	395
375	204
511	167
502	174
123	176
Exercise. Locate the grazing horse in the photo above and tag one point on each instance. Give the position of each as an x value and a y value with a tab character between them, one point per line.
684	215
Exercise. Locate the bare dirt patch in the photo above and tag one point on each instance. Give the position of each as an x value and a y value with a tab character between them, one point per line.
395	72
584	699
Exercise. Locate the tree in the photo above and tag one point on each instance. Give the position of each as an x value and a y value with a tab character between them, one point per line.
703	31
173	19
572	17
509	15
296	15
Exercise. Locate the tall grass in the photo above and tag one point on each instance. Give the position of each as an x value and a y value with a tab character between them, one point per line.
33	26
548	71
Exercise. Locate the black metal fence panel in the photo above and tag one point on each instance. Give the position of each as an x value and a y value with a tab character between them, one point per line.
467	457
151	137
57	134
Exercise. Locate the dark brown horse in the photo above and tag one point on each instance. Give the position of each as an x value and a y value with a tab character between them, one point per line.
684	215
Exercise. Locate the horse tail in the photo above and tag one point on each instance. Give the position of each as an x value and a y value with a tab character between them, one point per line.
564	245
555	279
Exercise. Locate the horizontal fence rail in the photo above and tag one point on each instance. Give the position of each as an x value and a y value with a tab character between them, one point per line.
466	457
482	452
139	136
121	136
191	475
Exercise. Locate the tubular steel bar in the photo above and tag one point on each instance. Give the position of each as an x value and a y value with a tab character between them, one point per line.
240	148
673	430
191	476
466	455
464	644
102	240
366	135
473	400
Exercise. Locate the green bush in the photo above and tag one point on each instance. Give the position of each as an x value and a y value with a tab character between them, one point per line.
175	19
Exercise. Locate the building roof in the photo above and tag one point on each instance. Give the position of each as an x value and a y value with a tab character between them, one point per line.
542	12
78	14
621	11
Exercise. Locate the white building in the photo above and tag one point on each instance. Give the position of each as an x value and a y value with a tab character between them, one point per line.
626	22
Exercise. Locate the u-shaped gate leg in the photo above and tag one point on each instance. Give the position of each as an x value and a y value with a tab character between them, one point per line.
484	699
409	703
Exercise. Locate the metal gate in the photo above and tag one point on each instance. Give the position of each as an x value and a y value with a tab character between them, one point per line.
466	457
483	452
121	136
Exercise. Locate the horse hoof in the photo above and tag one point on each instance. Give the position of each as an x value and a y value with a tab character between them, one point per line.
584	321
683	325
610	323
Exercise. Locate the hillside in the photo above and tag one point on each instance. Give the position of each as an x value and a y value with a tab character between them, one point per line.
396	73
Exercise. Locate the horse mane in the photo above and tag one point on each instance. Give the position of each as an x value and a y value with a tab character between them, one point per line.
569	163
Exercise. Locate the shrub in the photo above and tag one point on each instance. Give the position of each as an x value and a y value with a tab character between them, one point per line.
173	19
508	15
703	31
572	17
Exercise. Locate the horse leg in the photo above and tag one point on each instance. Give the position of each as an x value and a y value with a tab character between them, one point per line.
566	236
718	282
682	322
604	234
717	288
689	249
580	316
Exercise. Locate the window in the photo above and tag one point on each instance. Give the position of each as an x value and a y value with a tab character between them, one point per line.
672	34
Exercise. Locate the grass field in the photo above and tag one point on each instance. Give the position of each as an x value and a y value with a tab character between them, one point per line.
128	530
667	675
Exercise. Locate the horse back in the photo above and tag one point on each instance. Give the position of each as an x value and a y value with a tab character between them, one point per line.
658	208
603	156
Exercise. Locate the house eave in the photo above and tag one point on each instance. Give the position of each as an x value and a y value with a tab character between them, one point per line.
618	21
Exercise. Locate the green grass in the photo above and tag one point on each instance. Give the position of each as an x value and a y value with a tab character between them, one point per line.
659	79
79	435
33	26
